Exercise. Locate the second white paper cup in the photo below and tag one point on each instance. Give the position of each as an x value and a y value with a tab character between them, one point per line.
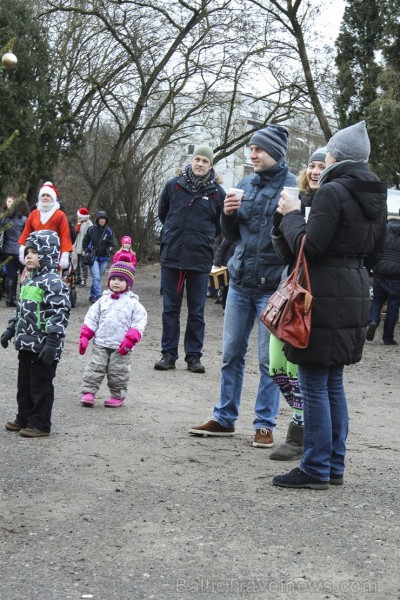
237	191
293	192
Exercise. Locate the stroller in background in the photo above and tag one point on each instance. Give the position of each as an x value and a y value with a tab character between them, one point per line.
69	278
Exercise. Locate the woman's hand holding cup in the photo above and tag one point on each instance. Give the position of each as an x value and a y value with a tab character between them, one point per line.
233	200
288	201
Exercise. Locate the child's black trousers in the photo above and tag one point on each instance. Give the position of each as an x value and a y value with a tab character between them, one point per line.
35	395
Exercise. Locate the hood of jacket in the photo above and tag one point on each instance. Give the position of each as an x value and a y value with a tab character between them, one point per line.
47	245
365	187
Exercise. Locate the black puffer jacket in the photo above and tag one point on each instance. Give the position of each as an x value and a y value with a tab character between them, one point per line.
346	227
388	266
190	224
279	242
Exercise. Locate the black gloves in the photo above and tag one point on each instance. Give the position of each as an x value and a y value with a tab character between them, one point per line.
50	350
6	337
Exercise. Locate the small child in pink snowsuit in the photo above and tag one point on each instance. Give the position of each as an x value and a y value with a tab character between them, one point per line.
116	322
125	253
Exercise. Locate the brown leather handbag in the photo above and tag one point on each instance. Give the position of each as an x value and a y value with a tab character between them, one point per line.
288	313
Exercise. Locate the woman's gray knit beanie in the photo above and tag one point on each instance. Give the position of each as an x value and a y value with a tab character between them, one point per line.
351	143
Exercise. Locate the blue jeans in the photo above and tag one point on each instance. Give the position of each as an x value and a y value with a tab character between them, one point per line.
97	270
196	295
326	421
385	290
241	311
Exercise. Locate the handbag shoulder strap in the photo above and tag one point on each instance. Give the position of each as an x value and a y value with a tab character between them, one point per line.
302	262
94	247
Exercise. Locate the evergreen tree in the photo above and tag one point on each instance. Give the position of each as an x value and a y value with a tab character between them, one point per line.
358	69
383	115
368	61
30	113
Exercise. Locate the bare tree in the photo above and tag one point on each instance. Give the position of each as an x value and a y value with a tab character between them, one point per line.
151	68
291	30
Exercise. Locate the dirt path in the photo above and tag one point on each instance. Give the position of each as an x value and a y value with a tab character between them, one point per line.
125	504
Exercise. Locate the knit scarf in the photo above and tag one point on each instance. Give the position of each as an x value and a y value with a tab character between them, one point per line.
328	170
195	182
47	210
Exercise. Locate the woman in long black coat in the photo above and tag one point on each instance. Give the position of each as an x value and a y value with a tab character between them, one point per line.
345	237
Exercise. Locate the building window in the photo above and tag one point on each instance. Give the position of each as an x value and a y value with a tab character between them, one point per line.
190	149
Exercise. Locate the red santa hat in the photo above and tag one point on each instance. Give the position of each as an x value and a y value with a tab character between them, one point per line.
50	191
49	184
83	213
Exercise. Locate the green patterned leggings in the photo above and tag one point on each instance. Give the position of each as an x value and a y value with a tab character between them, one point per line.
285	375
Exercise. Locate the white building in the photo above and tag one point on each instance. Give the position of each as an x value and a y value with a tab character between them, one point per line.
305	137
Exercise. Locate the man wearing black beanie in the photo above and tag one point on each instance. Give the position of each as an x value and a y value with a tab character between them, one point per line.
255	272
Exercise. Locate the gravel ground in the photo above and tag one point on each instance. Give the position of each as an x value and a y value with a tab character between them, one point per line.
125	504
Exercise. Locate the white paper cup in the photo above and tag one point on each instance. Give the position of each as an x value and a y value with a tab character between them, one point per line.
293	192
239	193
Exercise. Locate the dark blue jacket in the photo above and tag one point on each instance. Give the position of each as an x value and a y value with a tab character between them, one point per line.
191	222
102	238
388	266
13	233
255	267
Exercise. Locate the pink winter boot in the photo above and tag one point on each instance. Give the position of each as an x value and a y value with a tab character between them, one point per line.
114	402
87	399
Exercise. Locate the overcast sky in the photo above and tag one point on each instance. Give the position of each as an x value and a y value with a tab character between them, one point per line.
331	18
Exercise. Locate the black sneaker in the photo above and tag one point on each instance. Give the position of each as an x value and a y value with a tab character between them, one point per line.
371	330
296	478
165	363
390	343
195	366
336	479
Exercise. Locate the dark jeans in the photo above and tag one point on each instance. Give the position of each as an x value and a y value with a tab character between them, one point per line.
12	268
385	290
35	394
196	294
82	270
326	421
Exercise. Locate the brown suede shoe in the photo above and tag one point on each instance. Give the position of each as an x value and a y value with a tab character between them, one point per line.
13	426
32	432
263	438
212	427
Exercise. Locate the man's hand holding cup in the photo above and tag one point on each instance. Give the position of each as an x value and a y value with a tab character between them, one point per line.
233	200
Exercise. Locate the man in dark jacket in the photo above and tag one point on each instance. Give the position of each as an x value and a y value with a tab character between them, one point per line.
189	209
386	286
100	239
255	272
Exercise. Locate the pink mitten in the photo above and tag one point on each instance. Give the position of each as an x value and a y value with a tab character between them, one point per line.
84	337
132	337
